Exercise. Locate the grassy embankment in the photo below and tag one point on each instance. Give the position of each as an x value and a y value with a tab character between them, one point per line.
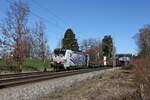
29	66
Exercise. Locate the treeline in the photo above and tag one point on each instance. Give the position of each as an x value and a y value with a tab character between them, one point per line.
18	40
96	48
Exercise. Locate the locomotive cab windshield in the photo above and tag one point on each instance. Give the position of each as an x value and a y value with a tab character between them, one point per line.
59	52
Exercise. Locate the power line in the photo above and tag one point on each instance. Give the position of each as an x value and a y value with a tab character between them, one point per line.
56	25
51	12
38	16
45	19
38	7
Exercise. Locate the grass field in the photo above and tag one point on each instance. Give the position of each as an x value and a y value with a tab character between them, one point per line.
28	66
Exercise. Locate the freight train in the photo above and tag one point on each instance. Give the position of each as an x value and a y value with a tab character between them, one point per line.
65	59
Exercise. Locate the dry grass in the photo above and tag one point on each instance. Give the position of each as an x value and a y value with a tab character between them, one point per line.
142	70
142	74
119	85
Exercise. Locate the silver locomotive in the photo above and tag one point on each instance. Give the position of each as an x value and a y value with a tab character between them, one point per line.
68	59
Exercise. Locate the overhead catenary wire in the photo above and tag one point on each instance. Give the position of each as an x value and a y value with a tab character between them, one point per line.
48	21
53	14
41	17
50	12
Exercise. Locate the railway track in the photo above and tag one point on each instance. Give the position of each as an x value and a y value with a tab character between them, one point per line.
20	74
11	80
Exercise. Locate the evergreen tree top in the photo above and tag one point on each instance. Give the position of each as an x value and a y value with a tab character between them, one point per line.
69	41
69	33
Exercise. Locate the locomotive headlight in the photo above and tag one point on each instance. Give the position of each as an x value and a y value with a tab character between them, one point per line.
61	62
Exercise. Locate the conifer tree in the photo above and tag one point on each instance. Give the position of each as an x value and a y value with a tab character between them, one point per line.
107	46
69	41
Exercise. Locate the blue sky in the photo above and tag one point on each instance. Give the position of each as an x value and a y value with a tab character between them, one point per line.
90	19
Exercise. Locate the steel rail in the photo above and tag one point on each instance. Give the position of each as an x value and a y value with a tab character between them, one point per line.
20	74
16	82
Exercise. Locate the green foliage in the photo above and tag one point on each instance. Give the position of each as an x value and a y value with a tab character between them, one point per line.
107	46
69	41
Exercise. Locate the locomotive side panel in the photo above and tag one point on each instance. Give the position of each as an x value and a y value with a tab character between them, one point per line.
78	59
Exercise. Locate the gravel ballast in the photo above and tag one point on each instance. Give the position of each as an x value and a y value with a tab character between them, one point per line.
34	91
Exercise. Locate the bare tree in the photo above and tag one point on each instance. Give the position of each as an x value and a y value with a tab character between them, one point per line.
90	43
143	41
40	47
43	48
35	37
59	45
14	31
93	47
84	45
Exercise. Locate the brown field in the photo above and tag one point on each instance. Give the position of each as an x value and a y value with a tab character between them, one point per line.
118	85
